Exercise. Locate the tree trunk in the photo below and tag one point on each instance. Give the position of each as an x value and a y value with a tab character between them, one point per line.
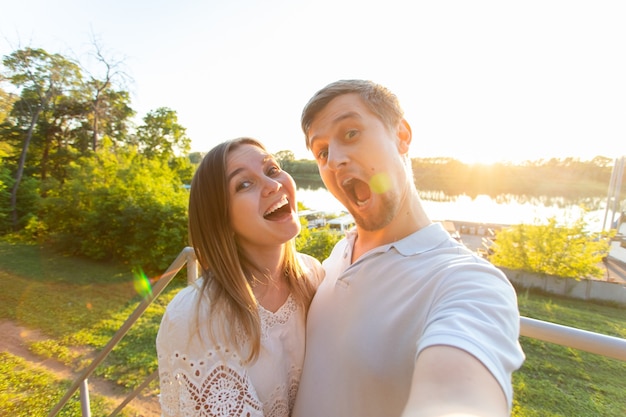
20	167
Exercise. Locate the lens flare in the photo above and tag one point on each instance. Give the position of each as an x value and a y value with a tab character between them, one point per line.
141	283
380	183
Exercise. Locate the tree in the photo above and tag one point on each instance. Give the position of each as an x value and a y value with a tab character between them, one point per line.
6	103
284	156
41	78
108	106
161	136
107	210
318	242
551	249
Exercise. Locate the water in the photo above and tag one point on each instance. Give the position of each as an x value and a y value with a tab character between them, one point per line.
481	209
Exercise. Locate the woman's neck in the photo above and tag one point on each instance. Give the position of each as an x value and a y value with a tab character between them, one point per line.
269	283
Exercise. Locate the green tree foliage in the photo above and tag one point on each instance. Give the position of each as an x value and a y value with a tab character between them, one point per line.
119	206
317	242
6	103
73	176
551	249
161	136
53	119
284	156
320	243
5	196
73	173
108	108
569	178
42	80
305	170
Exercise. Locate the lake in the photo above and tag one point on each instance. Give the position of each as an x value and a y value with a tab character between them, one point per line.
481	209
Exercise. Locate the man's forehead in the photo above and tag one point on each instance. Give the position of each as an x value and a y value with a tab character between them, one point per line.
344	107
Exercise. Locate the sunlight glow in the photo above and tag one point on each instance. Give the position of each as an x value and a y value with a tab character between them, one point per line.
141	283
380	182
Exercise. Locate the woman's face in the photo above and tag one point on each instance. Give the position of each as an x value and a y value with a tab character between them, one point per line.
263	208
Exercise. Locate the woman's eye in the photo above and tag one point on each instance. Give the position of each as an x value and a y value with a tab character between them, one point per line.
243	185
274	170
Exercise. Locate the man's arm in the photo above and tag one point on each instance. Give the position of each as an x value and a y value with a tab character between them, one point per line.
450	382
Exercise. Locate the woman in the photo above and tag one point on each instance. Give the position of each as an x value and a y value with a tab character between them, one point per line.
232	344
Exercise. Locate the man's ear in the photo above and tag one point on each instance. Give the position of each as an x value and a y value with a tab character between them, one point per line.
404	136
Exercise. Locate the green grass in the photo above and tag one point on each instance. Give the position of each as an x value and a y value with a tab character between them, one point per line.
560	381
79	305
27	391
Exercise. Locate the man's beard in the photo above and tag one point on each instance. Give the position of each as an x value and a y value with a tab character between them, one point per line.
387	212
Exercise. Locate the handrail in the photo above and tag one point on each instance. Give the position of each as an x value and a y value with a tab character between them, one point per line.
612	347
609	346
186	256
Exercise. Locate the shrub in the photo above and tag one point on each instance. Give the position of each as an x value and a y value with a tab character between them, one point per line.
564	251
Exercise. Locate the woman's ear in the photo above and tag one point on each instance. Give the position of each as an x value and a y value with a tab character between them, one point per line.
404	136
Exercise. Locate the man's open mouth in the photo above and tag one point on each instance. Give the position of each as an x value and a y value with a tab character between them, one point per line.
358	191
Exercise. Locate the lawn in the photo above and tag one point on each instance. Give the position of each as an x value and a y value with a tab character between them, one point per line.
79	305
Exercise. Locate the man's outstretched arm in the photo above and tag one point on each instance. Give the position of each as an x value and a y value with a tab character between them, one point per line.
449	382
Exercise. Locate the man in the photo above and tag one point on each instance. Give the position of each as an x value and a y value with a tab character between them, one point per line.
408	322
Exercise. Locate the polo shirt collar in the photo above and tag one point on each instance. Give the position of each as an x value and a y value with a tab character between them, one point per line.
423	240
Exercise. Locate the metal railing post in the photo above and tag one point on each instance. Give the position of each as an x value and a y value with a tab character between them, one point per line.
192	266
182	258
85	408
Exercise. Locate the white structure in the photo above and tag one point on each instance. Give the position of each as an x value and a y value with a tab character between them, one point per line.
617	250
342	223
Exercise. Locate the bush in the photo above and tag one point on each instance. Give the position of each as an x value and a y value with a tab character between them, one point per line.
120	207
551	249
27	198
318	242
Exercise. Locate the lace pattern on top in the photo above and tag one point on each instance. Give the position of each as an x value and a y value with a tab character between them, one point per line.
208	388
217	384
283	397
269	319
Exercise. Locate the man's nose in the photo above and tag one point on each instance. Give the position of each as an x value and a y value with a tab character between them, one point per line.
337	156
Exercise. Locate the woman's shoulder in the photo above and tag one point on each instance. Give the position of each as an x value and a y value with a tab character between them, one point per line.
185	299
180	316
312	267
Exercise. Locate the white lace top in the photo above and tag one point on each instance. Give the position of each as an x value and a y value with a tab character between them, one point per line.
201	379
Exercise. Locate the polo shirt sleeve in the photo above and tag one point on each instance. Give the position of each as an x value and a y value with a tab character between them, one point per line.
476	310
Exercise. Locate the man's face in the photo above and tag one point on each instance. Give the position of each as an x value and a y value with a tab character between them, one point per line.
359	160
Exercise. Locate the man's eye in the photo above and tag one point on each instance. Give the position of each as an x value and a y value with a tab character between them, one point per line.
351	134
323	154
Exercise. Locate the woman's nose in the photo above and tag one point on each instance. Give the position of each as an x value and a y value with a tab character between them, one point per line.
270	186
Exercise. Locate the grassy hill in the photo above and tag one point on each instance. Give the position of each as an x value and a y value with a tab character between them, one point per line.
78	305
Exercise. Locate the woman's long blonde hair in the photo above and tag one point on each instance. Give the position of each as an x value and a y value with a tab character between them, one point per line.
226	270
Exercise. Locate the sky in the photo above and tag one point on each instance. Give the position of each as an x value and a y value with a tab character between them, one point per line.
479	81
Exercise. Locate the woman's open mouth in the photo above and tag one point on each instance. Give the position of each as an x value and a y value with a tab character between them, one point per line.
278	211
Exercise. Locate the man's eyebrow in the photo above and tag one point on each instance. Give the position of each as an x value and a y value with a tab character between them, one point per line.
340	118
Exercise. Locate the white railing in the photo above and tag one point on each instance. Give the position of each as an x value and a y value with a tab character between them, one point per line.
187	256
609	346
